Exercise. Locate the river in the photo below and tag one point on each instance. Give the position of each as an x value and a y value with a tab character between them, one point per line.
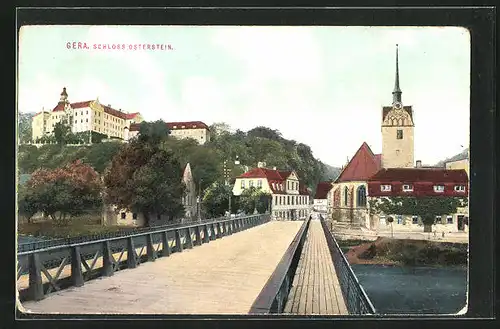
414	290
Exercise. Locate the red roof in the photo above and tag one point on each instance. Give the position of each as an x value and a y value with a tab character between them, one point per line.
107	109
322	190
187	125
408	175
177	125
362	166
275	178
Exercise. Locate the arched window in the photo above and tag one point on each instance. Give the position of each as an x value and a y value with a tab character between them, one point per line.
346	191
361	196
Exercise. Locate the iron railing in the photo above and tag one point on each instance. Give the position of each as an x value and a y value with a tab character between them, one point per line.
356	299
62	265
273	297
30	246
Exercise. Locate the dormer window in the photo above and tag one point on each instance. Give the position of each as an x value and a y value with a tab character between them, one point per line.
460	188
174	127
439	188
385	188
407	188
194	126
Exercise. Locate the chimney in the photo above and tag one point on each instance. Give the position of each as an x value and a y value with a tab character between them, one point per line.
261	164
418	164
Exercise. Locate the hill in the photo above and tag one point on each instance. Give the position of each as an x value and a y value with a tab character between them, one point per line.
261	144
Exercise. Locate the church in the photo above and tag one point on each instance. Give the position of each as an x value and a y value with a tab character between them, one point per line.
393	172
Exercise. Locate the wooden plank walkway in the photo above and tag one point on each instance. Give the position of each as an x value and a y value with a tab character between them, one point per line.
224	276
315	287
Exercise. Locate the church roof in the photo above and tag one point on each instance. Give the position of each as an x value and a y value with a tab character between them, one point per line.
362	166
387	109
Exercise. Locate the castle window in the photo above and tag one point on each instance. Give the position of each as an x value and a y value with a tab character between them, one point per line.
346	191
439	188
399	134
385	188
361	196
407	188
459	188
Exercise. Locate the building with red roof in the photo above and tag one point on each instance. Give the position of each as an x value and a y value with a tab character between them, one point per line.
320	202
392	173
196	130
84	116
290	197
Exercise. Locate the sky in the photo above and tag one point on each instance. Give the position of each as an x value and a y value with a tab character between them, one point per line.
319	85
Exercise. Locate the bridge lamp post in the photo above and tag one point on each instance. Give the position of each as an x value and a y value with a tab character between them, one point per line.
227	176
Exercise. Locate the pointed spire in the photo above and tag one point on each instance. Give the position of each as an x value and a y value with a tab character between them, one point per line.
396	94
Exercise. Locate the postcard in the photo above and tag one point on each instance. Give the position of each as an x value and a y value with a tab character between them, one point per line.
294	170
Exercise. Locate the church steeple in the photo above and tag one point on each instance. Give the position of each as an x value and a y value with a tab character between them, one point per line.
396	94
64	96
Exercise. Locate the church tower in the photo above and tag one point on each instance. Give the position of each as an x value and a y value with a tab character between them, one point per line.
397	130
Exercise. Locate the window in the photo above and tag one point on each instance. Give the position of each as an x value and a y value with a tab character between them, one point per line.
399	134
250	184
407	188
385	188
449	219
399	219
288	200
459	188
346	191
76	113
86	120
438	219
259	183
76	121
124	215
361	196
439	188
414	219
242	183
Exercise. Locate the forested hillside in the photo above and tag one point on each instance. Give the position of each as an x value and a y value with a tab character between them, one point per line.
260	144
24	126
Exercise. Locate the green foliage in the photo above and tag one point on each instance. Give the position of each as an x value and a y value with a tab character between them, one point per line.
24	130
62	133
427	208
68	191
215	201
153	132
252	199
147	179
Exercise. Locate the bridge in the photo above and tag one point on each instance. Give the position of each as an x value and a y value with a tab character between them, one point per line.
242	265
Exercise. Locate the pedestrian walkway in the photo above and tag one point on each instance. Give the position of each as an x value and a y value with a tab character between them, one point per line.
224	276
315	288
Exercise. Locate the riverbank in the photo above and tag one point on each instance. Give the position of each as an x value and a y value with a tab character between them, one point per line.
387	251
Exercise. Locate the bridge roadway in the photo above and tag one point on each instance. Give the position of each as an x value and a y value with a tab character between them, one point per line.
224	276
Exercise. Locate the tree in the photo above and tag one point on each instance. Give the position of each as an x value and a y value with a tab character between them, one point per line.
100	155
153	132
427	208
24	127
62	133
253	198
147	179
216	200
62	193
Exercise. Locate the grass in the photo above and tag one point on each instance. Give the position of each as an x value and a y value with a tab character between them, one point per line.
414	252
83	225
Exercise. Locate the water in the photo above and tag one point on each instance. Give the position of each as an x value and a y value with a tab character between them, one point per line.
414	290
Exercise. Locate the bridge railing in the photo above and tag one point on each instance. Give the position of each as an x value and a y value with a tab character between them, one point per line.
355	297
29	246
273	297
42	271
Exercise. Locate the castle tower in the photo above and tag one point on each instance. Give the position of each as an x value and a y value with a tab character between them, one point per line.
397	130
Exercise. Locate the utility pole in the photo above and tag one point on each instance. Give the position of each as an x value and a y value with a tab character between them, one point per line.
199	200
227	182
